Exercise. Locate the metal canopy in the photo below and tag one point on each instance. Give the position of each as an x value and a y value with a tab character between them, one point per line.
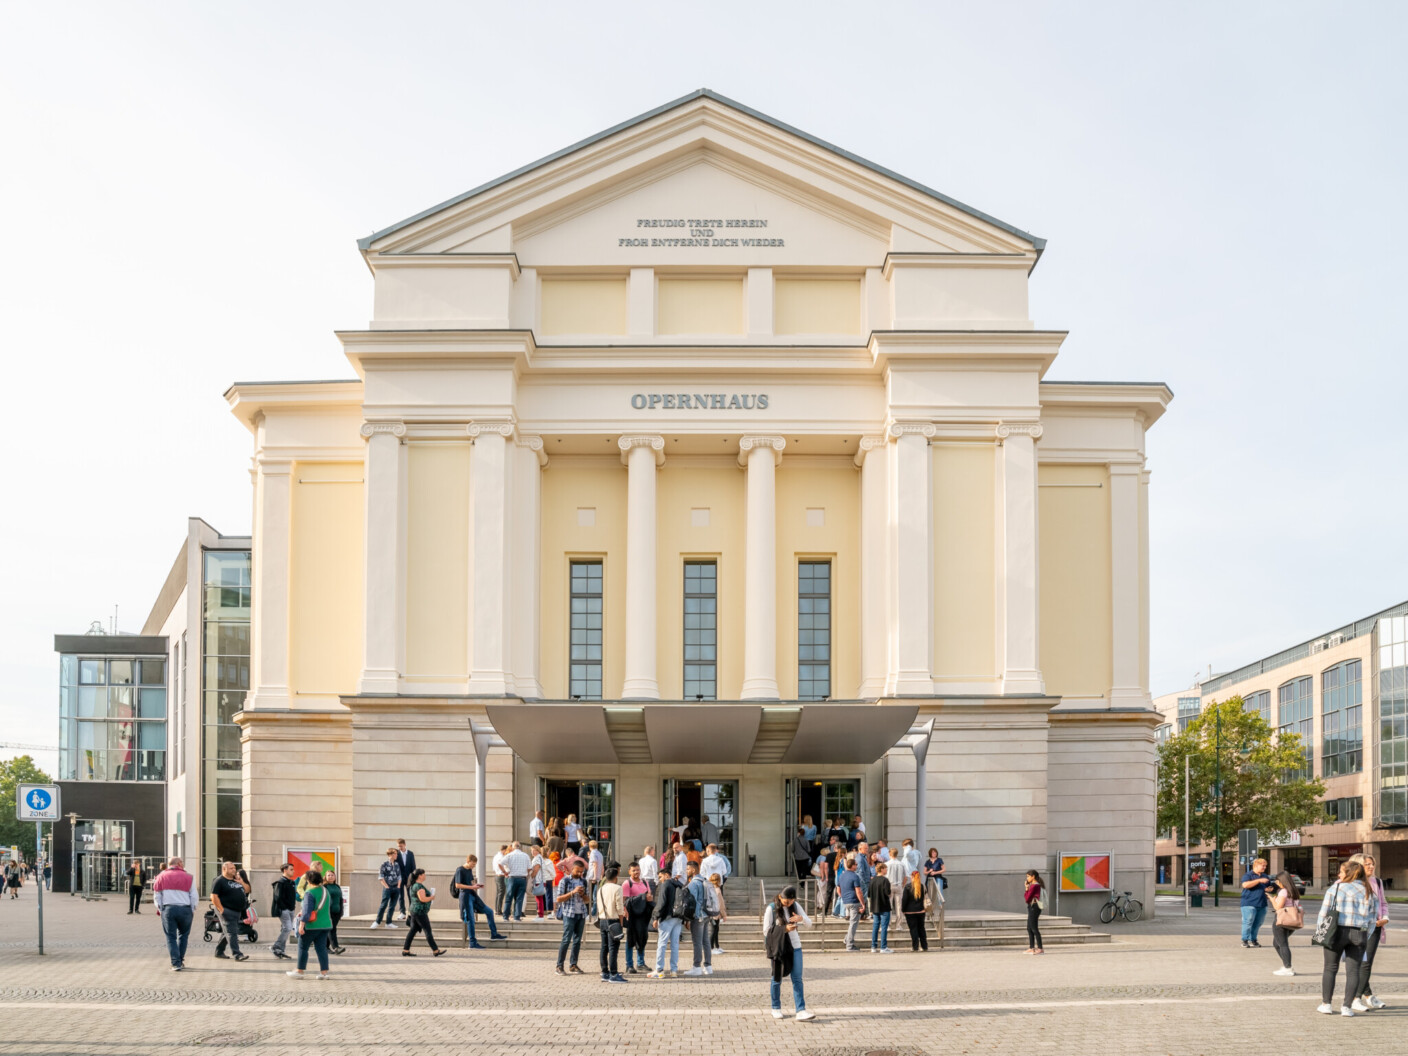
554	733
849	733
702	733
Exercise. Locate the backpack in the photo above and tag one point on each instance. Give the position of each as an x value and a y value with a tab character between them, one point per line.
685	907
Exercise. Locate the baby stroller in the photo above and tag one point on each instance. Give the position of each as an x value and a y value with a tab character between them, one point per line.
214	927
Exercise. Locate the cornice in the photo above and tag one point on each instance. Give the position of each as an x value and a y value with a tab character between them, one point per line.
249	400
1010	261
652	441
748	443
1147	400
378	261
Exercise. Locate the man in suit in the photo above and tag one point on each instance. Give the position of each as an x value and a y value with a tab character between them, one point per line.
407	861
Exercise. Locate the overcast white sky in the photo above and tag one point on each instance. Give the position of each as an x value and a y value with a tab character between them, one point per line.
1222	188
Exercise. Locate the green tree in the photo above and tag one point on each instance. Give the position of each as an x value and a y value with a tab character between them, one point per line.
1254	762
13	772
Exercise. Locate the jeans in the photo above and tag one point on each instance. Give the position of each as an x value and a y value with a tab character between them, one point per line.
853	916
918	936
471	904
400	899
388	905
1281	940
513	900
333	944
796	978
1353	954
572	927
1033	926
880	932
669	937
637	933
318	939
134	898
699	939
285	930
176	922
420	922
1252	916
500	890
610	952
1365	990
230	929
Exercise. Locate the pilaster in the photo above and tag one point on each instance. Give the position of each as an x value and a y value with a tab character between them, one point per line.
530	459
873	460
912	569
1126	615
1018	603
761	455
489	497
270	574
383	605
642	455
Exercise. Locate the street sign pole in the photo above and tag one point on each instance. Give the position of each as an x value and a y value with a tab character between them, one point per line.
38	850
38	803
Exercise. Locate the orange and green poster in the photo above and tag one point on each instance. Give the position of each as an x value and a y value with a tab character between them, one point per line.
1085	872
304	858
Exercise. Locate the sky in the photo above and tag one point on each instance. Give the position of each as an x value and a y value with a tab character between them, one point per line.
1221	188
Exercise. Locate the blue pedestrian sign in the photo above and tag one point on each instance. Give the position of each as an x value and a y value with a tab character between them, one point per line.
37	803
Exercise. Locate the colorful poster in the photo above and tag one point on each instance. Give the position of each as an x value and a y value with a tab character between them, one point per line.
1085	872
304	858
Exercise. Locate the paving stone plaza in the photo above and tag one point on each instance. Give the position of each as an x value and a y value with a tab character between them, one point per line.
1166	986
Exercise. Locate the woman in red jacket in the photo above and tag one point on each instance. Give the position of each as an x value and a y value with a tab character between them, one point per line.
1034	898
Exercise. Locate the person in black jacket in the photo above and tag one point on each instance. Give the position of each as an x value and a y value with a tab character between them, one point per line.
283	906
668	925
407	861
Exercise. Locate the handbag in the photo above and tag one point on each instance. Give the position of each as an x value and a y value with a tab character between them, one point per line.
611	926
1328	924
1290	916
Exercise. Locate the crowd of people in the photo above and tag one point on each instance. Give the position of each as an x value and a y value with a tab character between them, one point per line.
16	873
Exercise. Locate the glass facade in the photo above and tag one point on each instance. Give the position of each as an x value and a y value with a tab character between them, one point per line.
1295	714
1351	808
1391	689
1189	708
1258	704
813	630
701	630
224	683
585	679
1342	720
112	718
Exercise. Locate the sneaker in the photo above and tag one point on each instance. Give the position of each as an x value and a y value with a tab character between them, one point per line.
631	971
716	951
605	978
1345	1010
777	1013
874	950
560	971
1283	971
617	978
574	970
887	950
322	977
708	969
498	938
241	956
400	916
1246	945
477	946
279	954
655	975
695	971
294	973
1359	1006
175	967
804	1014
376	924
1256	945
223	956
1374	1002
391	925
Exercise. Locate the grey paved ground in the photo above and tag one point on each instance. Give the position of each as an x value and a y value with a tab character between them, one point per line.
1168	986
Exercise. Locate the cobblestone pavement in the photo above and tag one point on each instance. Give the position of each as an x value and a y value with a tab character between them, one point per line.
1170	986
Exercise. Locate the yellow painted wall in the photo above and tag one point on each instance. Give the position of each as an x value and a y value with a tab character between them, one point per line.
583	306
834	488
699	306
965	536
569	483
1075	588
325	580
437	561
816	306
682	486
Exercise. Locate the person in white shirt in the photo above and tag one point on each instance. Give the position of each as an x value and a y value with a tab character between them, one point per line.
500	881
681	860
574	834
536	829
176	901
649	869
537	880
910	854
709	831
786	910
515	865
596	870
715	864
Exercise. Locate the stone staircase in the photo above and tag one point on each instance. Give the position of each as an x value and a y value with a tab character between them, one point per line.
745	898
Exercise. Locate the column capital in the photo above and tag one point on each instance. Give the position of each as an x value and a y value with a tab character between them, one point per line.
1126	469
924	429
534	444
747	443
1006	429
273	467
491	427
867	444
655	443
395	428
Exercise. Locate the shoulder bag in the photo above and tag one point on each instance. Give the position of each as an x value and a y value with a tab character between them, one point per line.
610	925
1290	916
1329	922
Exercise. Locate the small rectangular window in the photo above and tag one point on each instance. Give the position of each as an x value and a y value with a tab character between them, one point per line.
813	630
701	630
584	680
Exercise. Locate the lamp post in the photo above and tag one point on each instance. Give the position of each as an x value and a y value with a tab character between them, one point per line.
1217	821
72	853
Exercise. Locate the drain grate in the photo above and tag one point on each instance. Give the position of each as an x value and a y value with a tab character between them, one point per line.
227	1038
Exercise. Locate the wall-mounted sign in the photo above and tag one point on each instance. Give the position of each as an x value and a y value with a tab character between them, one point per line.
736	233
700	401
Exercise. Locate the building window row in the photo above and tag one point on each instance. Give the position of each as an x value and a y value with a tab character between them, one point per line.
701	630
112	718
1392	686
1189	708
1350	808
224	683
1295	714
1258	703
1342	720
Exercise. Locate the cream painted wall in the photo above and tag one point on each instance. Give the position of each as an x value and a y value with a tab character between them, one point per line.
325	581
833	486
437	561
583	305
1074	529
693	305
816	306
682	486
965	539
571	483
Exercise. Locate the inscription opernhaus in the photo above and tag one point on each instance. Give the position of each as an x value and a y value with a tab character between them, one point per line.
700	234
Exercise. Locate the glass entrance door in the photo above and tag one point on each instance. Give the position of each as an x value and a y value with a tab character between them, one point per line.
593	802
707	810
823	801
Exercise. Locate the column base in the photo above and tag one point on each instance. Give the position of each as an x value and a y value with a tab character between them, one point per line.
759	689
488	684
269	698
379	683
1023	683
640	689
913	684
1130	697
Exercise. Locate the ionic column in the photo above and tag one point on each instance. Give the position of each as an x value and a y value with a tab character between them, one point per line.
1018	527
874	550
761	454
530	461
1126	615
269	604
382	587
912	567
642	455
489	558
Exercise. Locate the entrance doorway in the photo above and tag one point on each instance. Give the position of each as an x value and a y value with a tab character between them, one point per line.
818	800
594	803
714	803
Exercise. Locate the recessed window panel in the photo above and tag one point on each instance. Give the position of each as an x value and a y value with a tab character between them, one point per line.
585	646
701	630
813	630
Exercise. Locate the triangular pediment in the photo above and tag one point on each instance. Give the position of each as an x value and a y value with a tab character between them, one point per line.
701	158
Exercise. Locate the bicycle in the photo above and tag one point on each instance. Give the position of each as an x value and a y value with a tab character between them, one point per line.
1124	904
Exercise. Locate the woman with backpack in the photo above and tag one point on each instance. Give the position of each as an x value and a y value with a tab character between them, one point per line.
1342	930
314	925
914	910
1285	903
784	949
1035	897
419	915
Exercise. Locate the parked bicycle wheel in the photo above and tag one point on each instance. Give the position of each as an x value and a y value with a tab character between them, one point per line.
1107	913
1132	909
